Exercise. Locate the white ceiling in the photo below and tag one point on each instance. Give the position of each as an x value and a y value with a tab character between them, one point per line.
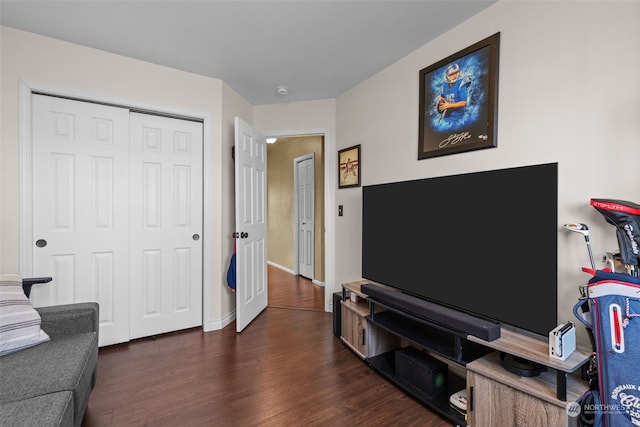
318	49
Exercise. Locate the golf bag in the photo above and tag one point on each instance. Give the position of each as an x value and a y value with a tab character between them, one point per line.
625	216
612	314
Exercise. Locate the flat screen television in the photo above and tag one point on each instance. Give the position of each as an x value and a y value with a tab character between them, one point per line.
484	243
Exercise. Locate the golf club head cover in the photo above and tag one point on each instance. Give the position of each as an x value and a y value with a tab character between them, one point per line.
625	216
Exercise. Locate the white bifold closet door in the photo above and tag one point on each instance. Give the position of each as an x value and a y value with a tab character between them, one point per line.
117	215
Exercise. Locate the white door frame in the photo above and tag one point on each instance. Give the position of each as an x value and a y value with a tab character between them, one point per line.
329	205
296	225
26	88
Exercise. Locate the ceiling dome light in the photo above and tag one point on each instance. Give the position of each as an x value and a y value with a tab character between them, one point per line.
282	90
271	140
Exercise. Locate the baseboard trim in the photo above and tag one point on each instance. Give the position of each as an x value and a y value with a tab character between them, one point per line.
217	324
279	267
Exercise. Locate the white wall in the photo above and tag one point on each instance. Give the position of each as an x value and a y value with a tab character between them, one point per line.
568	93
91	74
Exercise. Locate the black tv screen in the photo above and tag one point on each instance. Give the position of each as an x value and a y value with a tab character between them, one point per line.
484	243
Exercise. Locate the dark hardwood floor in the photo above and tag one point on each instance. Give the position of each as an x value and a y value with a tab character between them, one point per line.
289	291
285	369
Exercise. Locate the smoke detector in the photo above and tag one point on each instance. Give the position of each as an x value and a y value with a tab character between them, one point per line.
282	90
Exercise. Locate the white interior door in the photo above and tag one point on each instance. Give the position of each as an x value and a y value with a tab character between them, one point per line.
166	224
81	208
251	223
305	214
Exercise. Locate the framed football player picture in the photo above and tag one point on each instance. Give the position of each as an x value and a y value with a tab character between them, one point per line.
458	101
349	167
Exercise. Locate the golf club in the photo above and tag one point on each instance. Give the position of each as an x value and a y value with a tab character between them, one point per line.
584	230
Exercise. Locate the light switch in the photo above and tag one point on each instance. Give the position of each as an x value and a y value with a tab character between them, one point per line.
340	210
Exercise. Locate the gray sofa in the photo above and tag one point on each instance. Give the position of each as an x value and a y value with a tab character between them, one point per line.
49	384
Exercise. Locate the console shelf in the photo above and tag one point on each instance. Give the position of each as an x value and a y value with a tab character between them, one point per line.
384	364
498	396
537	351
426	335
431	338
355	331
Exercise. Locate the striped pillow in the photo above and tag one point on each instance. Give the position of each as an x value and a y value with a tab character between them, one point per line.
19	321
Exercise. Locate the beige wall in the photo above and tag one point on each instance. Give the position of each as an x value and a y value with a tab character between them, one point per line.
280	200
64	68
560	66
558	62
554	73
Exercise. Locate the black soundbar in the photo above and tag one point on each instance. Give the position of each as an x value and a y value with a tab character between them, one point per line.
432	312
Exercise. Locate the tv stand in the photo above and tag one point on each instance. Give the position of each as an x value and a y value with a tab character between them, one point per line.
495	396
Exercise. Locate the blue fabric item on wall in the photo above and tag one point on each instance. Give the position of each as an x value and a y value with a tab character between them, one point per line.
231	273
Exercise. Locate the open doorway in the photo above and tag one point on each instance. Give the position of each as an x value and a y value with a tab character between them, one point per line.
286	287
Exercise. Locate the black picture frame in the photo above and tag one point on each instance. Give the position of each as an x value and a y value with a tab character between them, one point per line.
349	167
469	75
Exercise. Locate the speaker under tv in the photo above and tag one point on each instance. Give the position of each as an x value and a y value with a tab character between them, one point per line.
434	313
482	243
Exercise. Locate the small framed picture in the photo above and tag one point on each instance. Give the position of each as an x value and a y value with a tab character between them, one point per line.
458	101
349	167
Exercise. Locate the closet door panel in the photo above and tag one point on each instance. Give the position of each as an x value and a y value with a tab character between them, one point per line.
80	206
166	224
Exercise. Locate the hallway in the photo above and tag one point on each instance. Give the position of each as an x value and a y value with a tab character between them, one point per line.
295	292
